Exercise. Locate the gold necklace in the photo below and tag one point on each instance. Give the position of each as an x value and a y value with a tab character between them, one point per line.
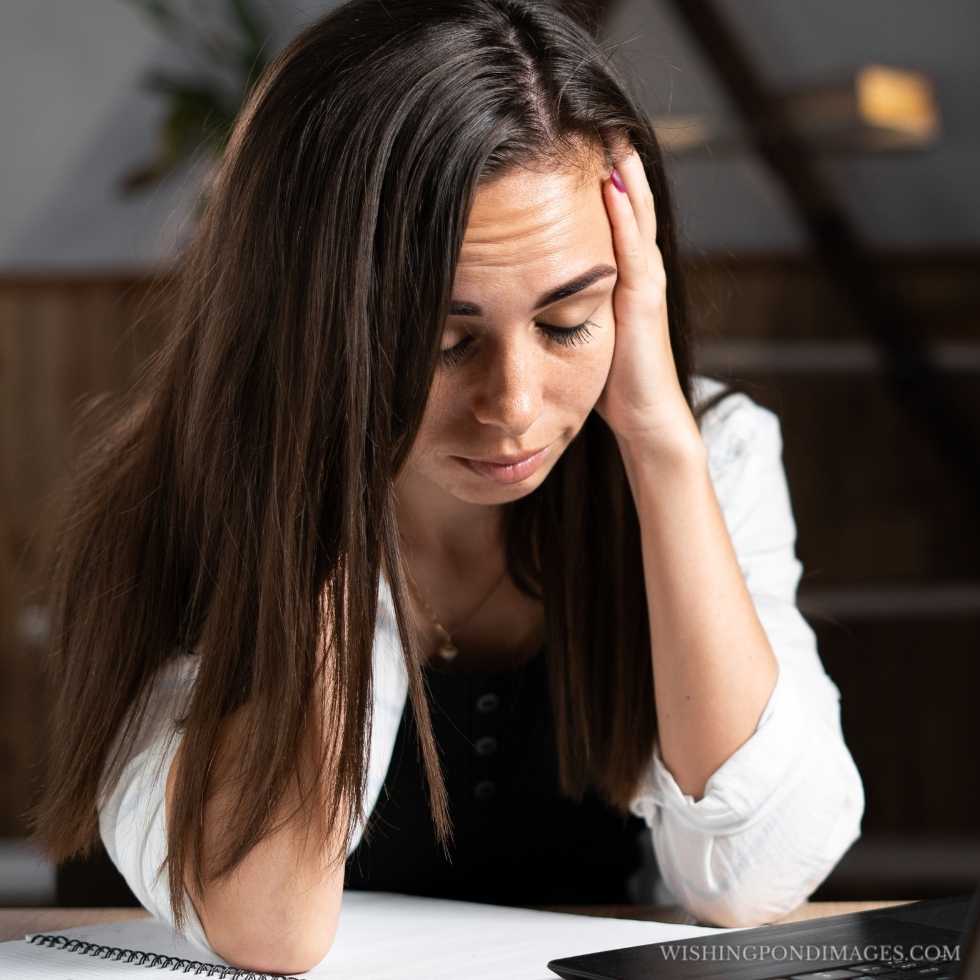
447	648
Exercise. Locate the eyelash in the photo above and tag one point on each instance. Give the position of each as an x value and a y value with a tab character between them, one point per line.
565	336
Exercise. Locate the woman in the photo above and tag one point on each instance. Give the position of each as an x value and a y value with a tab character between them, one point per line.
440	235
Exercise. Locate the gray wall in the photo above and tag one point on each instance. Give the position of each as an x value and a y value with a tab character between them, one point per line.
73	119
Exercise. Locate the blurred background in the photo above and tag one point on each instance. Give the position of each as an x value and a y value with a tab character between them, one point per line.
825	161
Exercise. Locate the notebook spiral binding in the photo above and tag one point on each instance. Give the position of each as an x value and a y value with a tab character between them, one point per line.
157	960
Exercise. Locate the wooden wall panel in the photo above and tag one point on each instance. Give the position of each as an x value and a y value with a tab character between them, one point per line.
874	499
790	298
60	340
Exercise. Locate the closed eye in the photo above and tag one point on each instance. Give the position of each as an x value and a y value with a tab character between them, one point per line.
564	336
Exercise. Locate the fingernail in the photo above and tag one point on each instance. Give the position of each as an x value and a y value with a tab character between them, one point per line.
617	180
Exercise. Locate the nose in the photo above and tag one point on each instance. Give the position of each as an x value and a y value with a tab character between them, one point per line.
508	393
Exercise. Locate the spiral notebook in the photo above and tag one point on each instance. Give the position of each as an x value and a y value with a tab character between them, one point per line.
381	936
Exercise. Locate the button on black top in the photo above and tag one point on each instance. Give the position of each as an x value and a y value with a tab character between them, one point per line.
484	790
486	745
486	703
516	840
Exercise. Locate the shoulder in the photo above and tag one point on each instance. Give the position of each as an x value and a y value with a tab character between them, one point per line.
735	429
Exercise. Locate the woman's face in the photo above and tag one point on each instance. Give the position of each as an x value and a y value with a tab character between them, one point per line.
506	384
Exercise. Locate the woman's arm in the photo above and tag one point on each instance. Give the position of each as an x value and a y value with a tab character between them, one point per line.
277	912
752	796
133	823
713	667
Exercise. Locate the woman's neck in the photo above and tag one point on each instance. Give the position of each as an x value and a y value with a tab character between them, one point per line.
455	553
438	528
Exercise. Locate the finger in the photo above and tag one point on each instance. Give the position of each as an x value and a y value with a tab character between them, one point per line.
631	251
640	195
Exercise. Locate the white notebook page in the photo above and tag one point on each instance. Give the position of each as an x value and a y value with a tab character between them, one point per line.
381	936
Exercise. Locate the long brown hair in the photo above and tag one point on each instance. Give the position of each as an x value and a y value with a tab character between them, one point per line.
237	501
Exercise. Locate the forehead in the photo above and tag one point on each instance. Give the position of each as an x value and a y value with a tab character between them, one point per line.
532	223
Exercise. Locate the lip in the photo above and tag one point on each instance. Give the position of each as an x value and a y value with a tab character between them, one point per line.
512	470
506	460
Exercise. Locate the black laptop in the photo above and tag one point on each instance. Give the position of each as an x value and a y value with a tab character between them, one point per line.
935	939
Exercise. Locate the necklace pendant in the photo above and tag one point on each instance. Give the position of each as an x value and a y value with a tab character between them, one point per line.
447	649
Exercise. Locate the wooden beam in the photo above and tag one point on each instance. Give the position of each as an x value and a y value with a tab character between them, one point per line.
912	377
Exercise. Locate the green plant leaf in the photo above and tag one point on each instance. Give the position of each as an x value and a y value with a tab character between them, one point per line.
165	82
200	111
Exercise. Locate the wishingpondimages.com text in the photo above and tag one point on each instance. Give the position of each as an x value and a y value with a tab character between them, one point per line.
809	952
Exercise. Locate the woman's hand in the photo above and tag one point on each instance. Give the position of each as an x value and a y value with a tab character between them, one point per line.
642	402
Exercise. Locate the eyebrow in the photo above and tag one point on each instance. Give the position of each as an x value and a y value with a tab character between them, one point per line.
459	307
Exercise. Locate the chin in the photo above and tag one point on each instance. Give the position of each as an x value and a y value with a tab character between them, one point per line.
496	495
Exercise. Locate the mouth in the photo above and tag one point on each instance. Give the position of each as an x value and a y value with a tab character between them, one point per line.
507	469
506	460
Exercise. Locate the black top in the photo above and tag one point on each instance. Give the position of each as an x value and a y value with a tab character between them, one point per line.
516	839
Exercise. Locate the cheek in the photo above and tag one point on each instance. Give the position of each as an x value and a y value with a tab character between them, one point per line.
446	423
430	430
589	370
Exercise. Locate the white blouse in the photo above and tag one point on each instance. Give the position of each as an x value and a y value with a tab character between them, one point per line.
776	816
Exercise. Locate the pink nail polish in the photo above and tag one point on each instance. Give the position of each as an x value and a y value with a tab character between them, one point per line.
617	180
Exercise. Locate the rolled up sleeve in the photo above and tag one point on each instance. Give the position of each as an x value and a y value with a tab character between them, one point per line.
781	811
